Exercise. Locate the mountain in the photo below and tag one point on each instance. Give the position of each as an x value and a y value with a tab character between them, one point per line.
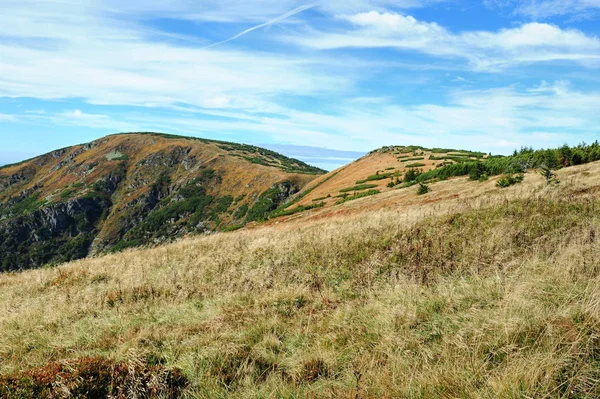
134	189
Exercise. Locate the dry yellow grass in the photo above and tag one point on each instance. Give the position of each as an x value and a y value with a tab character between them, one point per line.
490	295
326	187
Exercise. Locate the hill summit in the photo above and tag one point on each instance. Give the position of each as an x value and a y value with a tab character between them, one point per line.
132	189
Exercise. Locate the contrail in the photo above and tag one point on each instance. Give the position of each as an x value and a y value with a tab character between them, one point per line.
273	21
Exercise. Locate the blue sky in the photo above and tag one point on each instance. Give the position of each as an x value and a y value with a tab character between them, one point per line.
349	75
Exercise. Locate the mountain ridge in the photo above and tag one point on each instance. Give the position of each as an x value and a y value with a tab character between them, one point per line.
131	189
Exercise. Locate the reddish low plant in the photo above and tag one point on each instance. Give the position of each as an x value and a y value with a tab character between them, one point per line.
95	378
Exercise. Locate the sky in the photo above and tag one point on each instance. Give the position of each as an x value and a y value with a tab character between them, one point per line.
345	75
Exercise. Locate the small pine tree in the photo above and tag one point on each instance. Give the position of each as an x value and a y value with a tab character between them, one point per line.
423	189
411	175
548	174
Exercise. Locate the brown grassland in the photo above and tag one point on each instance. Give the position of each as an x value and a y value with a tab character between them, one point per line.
472	293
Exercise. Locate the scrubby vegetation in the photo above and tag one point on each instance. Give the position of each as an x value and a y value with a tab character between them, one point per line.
270	200
519	162
357	196
423	189
358	188
415	165
375	177
298	209
95	378
508	180
413	159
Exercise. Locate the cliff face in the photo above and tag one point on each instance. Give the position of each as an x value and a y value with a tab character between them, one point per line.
135	189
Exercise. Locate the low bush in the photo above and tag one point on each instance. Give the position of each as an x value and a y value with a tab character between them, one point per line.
423	189
375	177
322	198
298	209
95	378
357	196
413	159
411	175
358	188
509	180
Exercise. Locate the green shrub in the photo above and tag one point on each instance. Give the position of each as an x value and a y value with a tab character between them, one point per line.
411	175
358	188
509	180
375	177
298	209
413	159
322	198
423	189
66	194
393	183
357	196
415	165
548	174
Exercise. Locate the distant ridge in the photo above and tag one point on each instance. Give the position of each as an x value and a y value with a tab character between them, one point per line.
133	189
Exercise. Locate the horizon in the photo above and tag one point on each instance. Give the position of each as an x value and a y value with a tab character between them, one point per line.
341	77
324	158
327	159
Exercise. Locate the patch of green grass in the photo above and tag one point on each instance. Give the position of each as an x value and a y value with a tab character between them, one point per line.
66	194
380	176
415	165
357	196
322	198
298	209
413	159
358	188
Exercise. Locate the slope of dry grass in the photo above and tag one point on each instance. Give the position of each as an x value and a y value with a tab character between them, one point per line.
495	298
393	161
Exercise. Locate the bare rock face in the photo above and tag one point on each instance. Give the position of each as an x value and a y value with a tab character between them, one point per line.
59	232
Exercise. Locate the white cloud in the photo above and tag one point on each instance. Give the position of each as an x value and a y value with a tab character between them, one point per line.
107	61
540	9
496	120
484	50
7	118
90	53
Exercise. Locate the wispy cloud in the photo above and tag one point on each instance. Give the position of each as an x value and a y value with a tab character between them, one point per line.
498	120
265	24
484	50
118	66
541	9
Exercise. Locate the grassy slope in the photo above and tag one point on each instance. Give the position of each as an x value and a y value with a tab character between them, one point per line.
390	160
499	297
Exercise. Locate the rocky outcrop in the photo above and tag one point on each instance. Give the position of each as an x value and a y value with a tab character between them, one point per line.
56	233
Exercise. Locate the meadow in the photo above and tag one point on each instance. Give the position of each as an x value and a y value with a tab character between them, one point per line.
492	299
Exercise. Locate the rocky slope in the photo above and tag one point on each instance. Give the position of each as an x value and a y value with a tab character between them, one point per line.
134	189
